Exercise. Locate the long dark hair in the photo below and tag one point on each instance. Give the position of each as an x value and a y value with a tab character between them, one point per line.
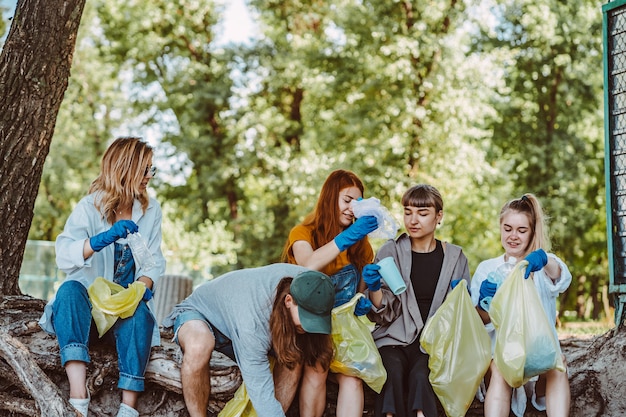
292	348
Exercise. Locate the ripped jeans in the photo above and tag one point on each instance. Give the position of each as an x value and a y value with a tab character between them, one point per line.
346	283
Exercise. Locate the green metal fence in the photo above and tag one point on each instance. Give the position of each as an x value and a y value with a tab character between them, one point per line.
614	40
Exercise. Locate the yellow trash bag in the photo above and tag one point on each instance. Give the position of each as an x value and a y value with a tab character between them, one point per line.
110	301
459	350
356	353
526	344
240	405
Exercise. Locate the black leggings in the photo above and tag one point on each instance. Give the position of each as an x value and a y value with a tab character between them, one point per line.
407	388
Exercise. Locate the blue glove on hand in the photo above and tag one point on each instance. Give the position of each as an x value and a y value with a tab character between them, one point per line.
147	296
118	231
536	261
363	306
487	290
357	231
371	276
456	282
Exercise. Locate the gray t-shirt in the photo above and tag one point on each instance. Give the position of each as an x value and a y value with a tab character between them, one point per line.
239	304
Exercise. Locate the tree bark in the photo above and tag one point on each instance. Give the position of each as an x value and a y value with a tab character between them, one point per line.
34	71
33	383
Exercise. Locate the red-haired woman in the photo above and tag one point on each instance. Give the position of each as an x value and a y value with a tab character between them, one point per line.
330	240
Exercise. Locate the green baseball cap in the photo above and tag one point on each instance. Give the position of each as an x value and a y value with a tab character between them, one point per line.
314	293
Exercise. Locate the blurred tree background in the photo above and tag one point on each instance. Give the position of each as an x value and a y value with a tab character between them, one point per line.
485	100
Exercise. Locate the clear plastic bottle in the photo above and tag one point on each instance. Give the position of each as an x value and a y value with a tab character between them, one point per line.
497	277
502	272
141	252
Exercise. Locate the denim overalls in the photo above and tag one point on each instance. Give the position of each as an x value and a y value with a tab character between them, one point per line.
345	281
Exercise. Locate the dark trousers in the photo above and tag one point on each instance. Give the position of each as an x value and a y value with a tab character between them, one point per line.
407	388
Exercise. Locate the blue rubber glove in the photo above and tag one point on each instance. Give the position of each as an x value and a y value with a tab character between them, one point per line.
363	306
536	261
147	296
357	231
372	277
456	282
119	230
487	290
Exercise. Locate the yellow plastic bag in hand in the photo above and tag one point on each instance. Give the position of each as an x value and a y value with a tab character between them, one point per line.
110	301
240	405
526	345
356	353
459	350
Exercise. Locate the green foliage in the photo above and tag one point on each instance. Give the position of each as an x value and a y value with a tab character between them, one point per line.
549	126
483	106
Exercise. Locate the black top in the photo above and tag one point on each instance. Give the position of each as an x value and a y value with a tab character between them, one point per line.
425	270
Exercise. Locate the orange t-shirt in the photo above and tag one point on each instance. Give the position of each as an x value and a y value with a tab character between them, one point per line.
303	232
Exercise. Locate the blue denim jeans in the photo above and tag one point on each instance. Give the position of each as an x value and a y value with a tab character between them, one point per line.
76	330
346	283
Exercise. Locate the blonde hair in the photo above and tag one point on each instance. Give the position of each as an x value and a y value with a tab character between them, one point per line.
529	205
122	169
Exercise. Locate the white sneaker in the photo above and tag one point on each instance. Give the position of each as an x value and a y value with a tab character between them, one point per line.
81	405
127	411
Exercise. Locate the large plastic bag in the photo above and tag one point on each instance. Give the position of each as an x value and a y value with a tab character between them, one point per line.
240	405
526	344
387	225
459	350
356	353
111	301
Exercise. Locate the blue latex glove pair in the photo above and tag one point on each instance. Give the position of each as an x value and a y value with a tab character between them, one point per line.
119	230
536	261
356	231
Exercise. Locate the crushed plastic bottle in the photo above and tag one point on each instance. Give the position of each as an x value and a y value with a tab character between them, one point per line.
141	252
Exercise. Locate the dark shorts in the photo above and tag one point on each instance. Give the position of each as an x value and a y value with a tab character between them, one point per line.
222	343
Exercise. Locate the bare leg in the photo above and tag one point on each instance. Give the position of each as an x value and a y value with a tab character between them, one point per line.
350	400
498	398
557	393
313	392
77	376
286	384
130	398
197	343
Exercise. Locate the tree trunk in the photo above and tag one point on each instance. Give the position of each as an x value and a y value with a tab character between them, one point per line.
34	71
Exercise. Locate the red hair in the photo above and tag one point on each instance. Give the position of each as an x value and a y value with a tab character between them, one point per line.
325	218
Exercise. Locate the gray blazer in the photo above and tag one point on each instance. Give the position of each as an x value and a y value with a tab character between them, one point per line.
398	320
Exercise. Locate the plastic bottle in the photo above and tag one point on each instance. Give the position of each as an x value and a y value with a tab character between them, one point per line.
497	277
141	252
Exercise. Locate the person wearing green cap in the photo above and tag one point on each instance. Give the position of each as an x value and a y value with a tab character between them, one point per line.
278	310
332	240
